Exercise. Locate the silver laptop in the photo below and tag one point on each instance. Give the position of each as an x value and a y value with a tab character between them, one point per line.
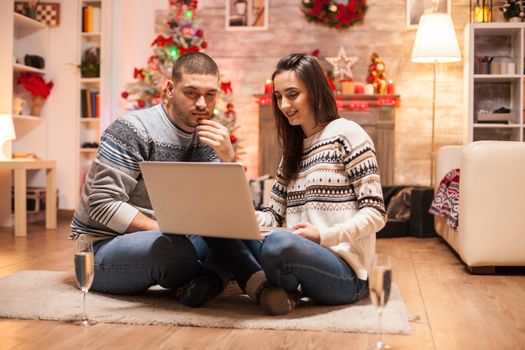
202	199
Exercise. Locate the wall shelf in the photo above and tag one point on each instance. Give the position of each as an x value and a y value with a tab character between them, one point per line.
28	24
29	118
90	80
497	85
85	34
17	67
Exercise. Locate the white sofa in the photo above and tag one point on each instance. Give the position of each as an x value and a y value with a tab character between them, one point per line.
491	230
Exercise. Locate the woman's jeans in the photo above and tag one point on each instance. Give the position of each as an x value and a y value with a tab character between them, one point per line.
131	263
288	261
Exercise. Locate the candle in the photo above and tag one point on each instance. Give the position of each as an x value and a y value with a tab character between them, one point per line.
390	88
369	89
268	87
482	14
359	88
347	87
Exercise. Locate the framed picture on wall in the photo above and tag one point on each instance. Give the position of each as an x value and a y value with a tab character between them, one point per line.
416	8
246	14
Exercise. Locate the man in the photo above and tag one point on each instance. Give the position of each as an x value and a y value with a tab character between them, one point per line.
131	254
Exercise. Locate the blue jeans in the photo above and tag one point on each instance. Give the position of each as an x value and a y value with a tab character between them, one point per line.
131	263
288	261
240	257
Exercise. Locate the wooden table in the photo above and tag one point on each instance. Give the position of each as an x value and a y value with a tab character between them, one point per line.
20	167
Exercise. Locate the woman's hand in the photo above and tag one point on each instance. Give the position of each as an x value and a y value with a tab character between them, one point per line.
308	231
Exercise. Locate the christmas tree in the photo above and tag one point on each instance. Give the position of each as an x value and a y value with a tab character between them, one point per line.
177	34
376	74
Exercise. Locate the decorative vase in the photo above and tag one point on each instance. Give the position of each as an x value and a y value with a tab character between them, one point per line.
36	106
515	19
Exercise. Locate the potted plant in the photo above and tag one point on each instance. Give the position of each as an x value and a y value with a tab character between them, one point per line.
513	10
39	89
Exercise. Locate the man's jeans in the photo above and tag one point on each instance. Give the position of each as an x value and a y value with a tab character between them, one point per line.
131	263
288	261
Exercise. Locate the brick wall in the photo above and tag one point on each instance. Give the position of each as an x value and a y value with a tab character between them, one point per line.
249	57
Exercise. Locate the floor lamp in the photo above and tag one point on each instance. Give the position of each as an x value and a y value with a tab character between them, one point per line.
435	43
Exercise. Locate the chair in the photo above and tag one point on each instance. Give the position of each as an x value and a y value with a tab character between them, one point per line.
491	230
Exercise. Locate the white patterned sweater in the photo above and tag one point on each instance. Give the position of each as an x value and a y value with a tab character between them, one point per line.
338	190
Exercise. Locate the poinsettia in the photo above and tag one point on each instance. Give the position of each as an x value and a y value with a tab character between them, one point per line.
35	84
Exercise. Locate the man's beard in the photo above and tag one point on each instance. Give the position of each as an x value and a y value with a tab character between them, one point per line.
184	117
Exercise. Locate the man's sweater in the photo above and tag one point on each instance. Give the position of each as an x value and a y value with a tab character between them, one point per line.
114	190
338	190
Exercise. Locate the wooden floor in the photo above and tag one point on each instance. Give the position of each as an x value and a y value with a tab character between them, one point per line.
456	310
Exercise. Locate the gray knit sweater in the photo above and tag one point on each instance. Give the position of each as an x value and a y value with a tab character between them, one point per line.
114	190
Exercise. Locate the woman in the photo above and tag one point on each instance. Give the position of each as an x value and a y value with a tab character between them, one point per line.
327	190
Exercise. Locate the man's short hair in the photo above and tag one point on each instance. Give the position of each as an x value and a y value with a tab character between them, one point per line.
194	63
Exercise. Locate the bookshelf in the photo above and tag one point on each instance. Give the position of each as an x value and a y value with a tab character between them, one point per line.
21	36
494	81
91	84
30	37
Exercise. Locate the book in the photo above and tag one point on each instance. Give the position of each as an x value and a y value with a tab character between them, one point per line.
98	105
88	19
84	18
89	113
94	104
96	19
83	104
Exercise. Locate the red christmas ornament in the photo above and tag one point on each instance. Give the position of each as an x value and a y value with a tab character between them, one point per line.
233	139
199	33
187	31
124	94
141	103
204	44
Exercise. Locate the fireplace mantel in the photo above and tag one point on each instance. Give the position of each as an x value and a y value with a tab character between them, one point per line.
375	114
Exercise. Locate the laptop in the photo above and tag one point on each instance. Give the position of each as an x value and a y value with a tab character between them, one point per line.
202	199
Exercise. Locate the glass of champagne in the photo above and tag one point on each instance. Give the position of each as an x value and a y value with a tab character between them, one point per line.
379	283
84	271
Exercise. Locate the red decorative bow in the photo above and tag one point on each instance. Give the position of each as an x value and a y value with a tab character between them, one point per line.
183	50
139	72
226	86
162	41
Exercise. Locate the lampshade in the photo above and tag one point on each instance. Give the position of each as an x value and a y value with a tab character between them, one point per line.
7	129
436	40
7	133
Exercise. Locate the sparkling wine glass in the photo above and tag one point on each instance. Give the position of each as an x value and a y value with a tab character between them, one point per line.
84	271
379	283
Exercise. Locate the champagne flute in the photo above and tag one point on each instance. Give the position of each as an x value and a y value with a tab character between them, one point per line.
84	271
379	283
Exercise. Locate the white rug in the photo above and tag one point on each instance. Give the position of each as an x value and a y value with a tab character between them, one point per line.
51	295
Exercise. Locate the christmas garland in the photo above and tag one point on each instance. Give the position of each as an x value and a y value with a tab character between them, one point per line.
333	13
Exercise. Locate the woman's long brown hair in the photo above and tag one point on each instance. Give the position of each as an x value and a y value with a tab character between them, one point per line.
322	103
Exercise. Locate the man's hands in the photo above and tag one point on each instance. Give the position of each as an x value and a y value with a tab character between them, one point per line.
217	136
142	223
308	231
